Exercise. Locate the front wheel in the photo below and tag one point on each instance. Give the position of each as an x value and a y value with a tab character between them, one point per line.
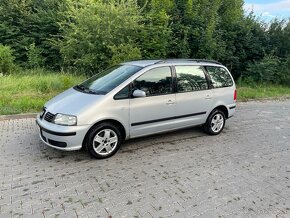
104	140
215	123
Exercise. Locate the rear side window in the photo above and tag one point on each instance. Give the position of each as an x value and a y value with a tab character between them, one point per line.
154	82
190	78
220	77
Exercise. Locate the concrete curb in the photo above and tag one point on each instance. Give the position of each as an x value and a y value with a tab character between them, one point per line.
18	116
266	99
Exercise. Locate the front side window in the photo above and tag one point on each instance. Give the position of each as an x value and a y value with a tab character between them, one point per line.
190	78
154	82
220	77
105	82
123	94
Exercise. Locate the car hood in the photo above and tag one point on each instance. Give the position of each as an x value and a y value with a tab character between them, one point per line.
72	102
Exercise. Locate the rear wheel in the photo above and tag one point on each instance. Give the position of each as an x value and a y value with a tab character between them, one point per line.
215	122
104	140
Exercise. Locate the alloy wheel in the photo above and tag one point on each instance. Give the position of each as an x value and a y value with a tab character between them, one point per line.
105	142
217	123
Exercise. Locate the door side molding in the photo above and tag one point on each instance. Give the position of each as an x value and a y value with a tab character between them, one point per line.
167	118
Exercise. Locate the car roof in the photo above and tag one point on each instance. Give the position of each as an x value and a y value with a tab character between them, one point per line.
145	63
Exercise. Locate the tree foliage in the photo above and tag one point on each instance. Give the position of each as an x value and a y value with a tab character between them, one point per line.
6	59
34	56
27	22
94	30
90	35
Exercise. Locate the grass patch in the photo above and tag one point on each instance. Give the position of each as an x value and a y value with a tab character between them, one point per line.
252	92
28	91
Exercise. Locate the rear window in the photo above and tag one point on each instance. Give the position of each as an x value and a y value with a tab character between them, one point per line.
219	77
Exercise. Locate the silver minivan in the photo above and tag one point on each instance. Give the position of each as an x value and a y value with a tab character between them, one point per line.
135	99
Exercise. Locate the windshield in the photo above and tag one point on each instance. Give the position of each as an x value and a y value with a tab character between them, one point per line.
106	81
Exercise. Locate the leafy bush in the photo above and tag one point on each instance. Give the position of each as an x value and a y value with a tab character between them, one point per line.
285	71
35	59
123	53
6	59
25	22
270	70
94	30
265	71
88	35
155	35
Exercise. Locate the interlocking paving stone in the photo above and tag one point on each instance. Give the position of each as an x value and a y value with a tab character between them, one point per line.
243	172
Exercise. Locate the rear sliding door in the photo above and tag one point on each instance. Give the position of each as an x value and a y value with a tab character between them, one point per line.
193	97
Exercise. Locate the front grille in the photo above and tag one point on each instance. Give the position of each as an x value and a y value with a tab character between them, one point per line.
49	117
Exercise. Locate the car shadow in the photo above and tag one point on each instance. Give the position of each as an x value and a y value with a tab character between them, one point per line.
166	137
129	146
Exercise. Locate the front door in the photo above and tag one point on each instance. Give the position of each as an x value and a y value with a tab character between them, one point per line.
153	113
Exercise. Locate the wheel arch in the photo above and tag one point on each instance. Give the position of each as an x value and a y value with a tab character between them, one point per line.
113	121
224	109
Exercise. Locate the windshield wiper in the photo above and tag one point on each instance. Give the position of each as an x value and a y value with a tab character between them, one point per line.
90	91
81	87
96	92
84	89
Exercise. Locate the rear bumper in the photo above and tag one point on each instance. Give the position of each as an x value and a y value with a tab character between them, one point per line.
231	110
66	138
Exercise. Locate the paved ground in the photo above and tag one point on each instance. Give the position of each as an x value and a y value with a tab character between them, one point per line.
244	172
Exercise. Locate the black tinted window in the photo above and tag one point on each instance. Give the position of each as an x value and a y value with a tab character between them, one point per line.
219	77
190	78
123	94
155	82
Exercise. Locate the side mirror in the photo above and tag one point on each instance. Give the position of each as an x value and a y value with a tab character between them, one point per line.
139	94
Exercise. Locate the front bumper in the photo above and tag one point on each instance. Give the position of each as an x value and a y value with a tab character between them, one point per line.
66	138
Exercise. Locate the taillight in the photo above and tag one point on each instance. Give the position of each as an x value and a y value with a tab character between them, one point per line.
235	95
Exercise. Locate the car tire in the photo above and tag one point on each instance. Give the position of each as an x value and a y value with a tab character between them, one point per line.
215	122
104	140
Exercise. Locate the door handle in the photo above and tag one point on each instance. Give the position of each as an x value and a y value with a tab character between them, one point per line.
170	102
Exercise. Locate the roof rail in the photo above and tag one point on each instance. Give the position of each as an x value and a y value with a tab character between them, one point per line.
193	60
205	60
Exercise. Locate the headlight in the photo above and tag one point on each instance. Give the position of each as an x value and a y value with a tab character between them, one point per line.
66	120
